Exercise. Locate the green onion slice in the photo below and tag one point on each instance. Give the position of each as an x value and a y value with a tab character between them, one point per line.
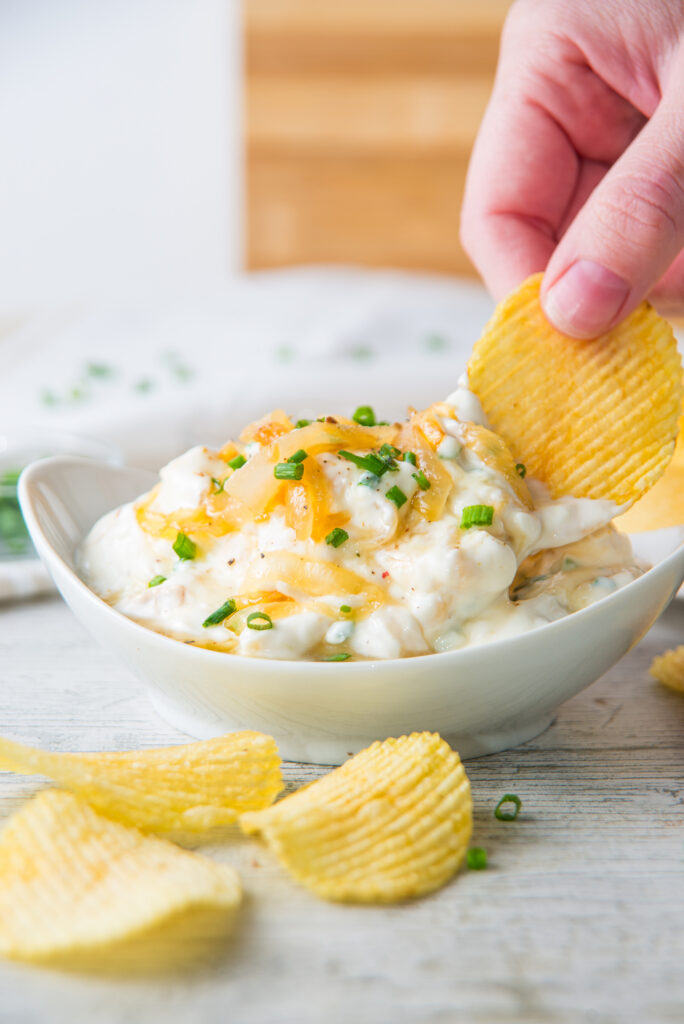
341	656
288	471
346	608
396	495
259	620
410	457
217	617
302	423
476	858
477	515
508	798
364	416
370	463
156	580
421	480
298	456
237	462
389	451
185	548
337	537
520	470
218	484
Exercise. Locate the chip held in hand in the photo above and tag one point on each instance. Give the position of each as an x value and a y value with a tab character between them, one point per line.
72	881
590	419
392	823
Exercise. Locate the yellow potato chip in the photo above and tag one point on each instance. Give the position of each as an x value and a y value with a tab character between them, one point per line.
592	419
193	787
668	669
72	880
392	823
663	505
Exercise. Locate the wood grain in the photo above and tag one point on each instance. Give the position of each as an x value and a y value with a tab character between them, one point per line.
579	916
359	120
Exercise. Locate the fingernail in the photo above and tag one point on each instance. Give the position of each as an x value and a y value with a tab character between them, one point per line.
585	300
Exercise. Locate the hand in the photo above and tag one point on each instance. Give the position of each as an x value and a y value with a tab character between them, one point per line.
578	168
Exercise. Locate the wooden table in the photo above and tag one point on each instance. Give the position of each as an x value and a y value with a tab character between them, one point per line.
580	916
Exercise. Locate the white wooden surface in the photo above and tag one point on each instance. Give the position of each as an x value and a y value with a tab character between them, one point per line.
580	916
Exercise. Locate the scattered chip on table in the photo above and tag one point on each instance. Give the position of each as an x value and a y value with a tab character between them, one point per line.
668	669
392	823
72	881
191	787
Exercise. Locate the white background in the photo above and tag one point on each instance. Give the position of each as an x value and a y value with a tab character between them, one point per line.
120	153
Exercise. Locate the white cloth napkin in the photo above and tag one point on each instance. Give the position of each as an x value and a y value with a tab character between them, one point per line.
153	381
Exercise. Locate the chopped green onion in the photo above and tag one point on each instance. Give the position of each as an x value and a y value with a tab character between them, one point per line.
341	656
346	608
337	537
237	462
302	423
259	620
156	580
185	548
364	416
218	484
421	480
476	858
100	370
371	463
520	470
476	515
410	457
389	451
396	495
298	456
216	618
436	343
288	471
509	798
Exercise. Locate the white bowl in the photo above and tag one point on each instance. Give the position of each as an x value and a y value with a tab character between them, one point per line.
481	699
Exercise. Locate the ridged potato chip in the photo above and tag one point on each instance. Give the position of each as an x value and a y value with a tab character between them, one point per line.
591	419
193	787
72	881
668	669
663	506
392	823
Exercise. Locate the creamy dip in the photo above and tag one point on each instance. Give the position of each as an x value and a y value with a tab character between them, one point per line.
374	541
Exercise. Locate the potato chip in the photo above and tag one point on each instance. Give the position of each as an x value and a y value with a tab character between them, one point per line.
193	787
591	419
72	880
392	823
668	669
663	506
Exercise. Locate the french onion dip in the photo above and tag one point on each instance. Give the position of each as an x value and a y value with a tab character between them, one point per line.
343	539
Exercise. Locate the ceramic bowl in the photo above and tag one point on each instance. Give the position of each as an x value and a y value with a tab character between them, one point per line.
481	699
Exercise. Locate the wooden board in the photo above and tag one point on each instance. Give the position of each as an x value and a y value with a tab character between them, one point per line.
359	120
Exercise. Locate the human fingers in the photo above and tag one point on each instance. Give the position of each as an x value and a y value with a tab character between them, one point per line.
627	234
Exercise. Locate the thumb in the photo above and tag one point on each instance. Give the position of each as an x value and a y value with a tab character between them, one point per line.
629	231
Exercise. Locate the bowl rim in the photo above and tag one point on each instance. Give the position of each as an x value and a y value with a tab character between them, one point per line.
33	473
